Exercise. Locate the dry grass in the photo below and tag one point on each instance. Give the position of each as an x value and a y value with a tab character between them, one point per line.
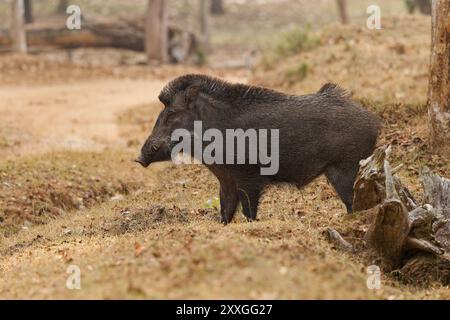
166	242
130	249
380	65
38	187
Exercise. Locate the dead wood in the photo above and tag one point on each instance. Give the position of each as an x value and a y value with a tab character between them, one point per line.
407	237
122	34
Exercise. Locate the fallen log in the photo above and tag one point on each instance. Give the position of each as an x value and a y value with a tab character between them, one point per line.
122	34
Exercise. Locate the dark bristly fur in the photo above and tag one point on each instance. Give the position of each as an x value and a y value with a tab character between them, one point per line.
321	133
217	88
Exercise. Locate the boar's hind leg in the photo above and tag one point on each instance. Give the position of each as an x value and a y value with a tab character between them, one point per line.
228	202
342	177
249	198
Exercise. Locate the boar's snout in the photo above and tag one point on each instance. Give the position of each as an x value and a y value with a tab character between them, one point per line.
142	161
151	152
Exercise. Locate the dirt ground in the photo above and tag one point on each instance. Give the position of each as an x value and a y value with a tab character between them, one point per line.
70	195
51	117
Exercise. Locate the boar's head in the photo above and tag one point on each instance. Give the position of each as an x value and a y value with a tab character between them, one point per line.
179	113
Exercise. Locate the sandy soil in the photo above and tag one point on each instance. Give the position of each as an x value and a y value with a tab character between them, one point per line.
71	116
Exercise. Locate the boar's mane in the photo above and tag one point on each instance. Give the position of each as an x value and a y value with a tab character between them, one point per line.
218	89
332	90
239	94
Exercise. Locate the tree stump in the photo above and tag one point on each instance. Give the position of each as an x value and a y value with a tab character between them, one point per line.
437	194
390	226
407	238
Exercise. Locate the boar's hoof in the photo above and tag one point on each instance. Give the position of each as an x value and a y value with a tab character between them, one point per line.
225	220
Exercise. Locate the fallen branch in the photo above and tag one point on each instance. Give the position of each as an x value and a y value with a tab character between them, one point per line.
335	238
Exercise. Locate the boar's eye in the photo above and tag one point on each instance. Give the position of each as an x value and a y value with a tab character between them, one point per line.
169	114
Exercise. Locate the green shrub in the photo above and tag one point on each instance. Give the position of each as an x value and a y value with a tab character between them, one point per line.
298	74
290	43
296	41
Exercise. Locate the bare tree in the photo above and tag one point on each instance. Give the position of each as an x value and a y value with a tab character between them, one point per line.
439	85
217	7
204	24
423	5
28	11
156	31
18	34
342	8
62	6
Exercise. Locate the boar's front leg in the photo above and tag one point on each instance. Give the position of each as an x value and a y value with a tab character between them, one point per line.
228	201
342	177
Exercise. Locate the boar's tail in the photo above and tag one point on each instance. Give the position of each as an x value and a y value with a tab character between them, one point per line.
333	90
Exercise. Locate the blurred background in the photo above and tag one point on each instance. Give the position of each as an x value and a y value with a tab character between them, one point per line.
225	32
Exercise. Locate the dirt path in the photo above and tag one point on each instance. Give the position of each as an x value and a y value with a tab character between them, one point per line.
75	116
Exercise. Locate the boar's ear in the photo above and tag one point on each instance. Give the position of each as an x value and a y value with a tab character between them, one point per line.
192	93
164	100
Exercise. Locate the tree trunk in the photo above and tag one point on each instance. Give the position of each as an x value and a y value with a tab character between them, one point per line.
204	24
28	11
217	7
424	6
439	91
156	31
62	6
18	35
342	8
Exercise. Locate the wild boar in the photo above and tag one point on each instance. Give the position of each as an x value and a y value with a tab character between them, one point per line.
320	133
